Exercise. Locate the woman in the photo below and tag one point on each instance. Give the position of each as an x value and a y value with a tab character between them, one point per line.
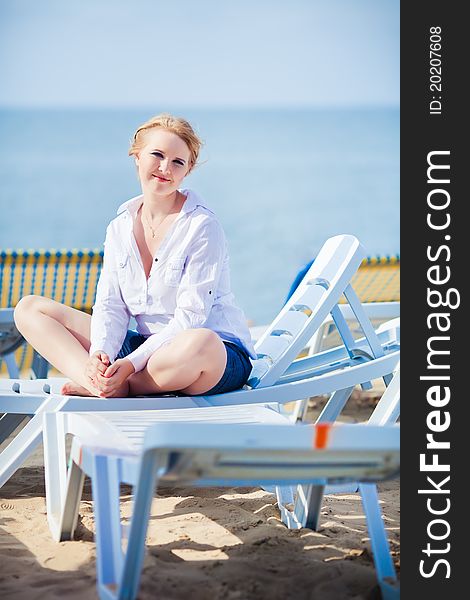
166	264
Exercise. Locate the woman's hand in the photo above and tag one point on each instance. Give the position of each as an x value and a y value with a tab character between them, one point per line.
113	381
97	363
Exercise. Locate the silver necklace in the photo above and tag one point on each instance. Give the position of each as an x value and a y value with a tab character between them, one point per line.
152	229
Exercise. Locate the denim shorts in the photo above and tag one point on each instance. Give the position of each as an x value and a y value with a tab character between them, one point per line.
237	370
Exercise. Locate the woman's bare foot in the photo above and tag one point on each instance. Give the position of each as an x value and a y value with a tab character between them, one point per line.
74	389
121	392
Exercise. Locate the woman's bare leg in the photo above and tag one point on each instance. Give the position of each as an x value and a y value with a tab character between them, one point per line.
193	362
59	333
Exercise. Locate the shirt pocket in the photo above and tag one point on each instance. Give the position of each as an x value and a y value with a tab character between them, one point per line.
128	282
122	267
174	271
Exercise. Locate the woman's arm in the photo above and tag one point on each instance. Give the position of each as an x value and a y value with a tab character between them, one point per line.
110	316
196	291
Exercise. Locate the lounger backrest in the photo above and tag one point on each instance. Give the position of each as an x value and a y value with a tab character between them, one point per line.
316	296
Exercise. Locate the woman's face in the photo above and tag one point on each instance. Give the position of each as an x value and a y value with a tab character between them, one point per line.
163	161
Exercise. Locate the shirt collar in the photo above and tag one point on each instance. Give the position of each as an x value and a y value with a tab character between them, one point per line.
193	200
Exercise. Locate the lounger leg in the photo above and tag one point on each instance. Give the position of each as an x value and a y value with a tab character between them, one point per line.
134	557
308	505
330	412
364	323
8	424
69	514
300	409
285	496
388	408
13	456
378	538
334	406
55	470
106	492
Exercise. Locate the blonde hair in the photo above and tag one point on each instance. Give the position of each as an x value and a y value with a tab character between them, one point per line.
176	125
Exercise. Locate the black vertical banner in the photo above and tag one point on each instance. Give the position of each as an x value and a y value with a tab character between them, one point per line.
435	250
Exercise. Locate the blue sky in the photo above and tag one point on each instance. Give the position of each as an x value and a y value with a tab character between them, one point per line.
205	53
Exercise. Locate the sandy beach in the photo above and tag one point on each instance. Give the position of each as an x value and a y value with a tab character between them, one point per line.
206	543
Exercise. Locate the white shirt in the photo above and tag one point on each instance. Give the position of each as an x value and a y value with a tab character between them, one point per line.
188	286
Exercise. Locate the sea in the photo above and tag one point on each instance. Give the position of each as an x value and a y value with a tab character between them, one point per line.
282	181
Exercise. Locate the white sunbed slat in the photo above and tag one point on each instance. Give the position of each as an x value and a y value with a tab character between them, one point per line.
54	384
274	346
303	302
201	413
132	429
289	325
6	385
310	294
292	322
32	386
